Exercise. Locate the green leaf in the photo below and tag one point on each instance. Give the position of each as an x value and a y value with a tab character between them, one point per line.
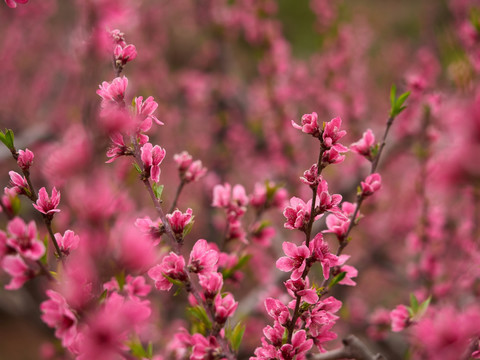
137	349
401	99
188	228
227	273
337	279
237	336
137	168
15	204
120	279
173	281
150	350
103	296
393	95
199	313
157	190
422	309
7	138
414	303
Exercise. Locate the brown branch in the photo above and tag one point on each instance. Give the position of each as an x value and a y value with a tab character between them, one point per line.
353	348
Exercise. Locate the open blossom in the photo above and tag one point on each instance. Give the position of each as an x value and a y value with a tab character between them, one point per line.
195	171
145	109
332	156
298	348
136	286
225	306
332	134
13	3
25	159
320	252
310	177
45	204
204	348
297	214
339	225
295	259
309	124
125	54
57	314
172	266
371	184
183	160
18	270
118	147
234	201
400	318
178	220
23	238
113	92
152	157
328	202
301	287
365	145
277	310
69	241
350	271
203	259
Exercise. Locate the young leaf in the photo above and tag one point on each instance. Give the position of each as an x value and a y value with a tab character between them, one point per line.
414	303
199	313
137	168
120	279
422	309
237	336
338	278
157	190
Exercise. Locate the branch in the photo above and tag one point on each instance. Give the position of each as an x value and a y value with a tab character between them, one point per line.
353	348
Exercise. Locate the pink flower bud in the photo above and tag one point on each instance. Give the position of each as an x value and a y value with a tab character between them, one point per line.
400	318
25	159
365	145
309	124
371	184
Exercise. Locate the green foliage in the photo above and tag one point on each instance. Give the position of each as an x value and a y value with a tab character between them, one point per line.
157	190
235	335
417	310
200	318
337	279
396	103
7	138
228	273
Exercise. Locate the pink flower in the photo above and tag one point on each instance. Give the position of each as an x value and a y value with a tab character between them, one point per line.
152	157
113	92
195	171
46	205
18	270
332	134
153	229
203	259
277	310
339	226
125	54
400	318
118	37
211	284
57	314
234	201
69	241
145	109
309	124
204	348
221	195
23	238
320	252
365	145
183	161
118	147
295	259
350	271
135	286
274	334
301	287
25	159
328	202
179	221
13	3
297	214
371	184
172	266
332	156
18	182
298	348
310	177
225	306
